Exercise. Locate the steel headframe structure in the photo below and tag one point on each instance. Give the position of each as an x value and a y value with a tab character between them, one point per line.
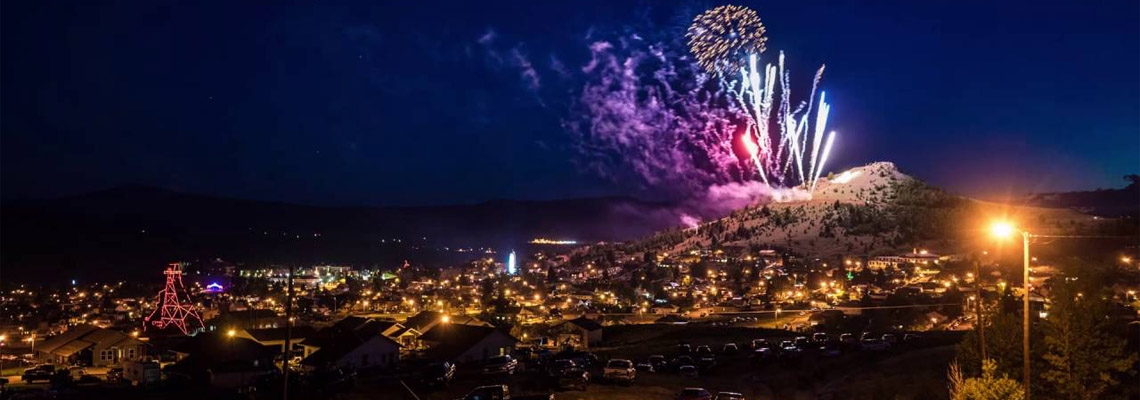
170	309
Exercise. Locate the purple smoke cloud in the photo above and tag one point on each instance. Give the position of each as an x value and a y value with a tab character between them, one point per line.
649	115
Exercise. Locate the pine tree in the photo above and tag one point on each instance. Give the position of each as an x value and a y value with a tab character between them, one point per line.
1084	358
1003	346
987	387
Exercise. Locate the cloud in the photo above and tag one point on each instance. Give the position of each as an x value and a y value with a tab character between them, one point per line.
526	70
514	59
487	38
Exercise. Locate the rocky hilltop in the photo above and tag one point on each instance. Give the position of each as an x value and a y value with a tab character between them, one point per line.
872	209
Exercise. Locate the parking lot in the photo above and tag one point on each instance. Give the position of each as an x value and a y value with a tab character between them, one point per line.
808	373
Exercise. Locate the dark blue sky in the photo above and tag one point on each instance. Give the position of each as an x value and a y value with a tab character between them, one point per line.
399	102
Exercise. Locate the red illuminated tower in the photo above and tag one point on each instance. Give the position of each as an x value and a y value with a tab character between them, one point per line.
170	309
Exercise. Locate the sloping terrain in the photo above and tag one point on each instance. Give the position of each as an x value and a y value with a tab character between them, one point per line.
872	209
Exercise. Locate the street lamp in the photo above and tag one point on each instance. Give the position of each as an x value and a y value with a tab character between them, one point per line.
1004	230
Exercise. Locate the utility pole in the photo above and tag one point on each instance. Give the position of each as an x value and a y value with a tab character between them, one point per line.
978	306
288	335
1025	309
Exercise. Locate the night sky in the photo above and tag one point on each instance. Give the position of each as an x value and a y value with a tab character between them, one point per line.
426	102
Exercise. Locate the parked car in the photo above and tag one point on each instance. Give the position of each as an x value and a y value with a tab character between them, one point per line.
707	362
658	361
574	378
688	371
694	394
762	353
758	343
704	349
788	349
890	338
847	338
730	348
142	373
504	364
684	348
682	361
38	373
803	342
829	350
645	367
558	367
115	375
619	370
819	337
872	344
500	392
583	359
729	396
438	374
911	338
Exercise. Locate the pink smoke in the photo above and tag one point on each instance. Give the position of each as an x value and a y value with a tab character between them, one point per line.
651	116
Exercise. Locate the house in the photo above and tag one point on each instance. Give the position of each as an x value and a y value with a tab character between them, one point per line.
92	346
407	337
354	343
221	361
916	258
580	331
425	320
275	337
466	343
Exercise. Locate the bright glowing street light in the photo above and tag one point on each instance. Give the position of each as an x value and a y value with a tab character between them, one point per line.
231	333
1002	229
445	319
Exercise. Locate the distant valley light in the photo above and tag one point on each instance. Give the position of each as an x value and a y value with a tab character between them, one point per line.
553	241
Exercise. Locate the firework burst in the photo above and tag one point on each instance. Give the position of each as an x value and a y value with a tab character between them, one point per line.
723	37
727	42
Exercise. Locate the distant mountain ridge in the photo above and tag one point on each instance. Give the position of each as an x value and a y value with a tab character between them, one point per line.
1102	202
123	231
136	227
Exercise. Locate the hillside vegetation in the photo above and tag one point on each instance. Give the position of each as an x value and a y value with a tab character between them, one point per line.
873	209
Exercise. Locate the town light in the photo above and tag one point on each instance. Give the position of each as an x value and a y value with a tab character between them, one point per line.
231	333
445	319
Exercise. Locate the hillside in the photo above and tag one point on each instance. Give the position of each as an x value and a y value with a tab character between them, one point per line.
872	209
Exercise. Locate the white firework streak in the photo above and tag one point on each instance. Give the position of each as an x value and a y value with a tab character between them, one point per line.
823	160
820	124
755	97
